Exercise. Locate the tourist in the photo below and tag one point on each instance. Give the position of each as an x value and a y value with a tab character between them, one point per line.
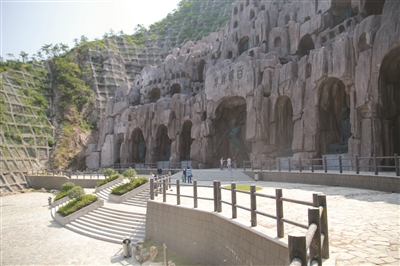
184	175
159	172
222	163
189	174
234	162
229	164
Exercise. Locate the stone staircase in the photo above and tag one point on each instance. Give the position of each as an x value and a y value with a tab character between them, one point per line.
114	222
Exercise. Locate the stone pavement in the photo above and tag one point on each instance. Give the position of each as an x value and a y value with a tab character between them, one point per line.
363	225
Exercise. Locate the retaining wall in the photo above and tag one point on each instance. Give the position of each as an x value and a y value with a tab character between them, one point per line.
56	182
373	182
211	239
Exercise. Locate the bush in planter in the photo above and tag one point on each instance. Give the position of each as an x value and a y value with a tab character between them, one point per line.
76	192
124	188
108	179
77	204
108	172
130	174
66	187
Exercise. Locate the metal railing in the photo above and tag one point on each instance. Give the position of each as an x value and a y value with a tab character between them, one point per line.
317	235
376	164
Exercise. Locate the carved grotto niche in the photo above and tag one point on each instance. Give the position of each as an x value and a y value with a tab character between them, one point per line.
185	141
163	144
284	125
389	89
332	102
139	147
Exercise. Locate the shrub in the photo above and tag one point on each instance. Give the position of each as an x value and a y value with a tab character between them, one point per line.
124	188
130	174
61	195
108	172
51	141
67	186
77	204
76	192
108	179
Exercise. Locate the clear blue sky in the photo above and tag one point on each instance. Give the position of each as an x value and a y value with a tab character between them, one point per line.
28	25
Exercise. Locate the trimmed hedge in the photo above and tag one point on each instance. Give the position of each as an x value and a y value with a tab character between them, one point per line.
77	204
108	179
65	188
124	188
61	195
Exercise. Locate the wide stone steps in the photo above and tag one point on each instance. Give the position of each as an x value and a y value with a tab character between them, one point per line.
104	193
108	225
115	222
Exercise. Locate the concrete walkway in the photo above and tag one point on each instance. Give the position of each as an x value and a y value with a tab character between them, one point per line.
363	225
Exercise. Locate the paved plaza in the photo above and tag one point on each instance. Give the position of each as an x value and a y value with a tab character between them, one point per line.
363	225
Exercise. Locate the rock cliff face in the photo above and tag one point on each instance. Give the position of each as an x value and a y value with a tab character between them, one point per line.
275	81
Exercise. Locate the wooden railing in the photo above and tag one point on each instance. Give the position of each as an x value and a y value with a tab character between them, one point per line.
316	239
356	164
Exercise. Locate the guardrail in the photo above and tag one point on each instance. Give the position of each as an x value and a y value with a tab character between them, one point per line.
339	164
316	239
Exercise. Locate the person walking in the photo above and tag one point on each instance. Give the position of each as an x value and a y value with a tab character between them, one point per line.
189	174
229	164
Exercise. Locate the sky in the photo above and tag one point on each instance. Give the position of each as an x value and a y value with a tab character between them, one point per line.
28	25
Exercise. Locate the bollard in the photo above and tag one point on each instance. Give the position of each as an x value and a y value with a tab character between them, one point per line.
256	176
49	199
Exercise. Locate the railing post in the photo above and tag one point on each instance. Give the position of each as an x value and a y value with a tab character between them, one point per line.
90	174
195	194
290	166
325	165
164	188
375	166
270	164
280	230
340	165
297	249
215	195
396	164
279	164
169	181
357	165
301	167
315	242
151	188
312	165
253	205
324	226
219	203
178	193
233	196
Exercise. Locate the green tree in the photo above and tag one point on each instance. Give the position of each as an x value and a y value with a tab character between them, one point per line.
130	174
76	192
108	172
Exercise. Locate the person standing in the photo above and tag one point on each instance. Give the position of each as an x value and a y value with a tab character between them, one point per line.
222	163
159	172
189	174
234	162
229	164
184	175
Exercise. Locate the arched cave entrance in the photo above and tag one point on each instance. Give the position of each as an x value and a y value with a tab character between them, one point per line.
284	126
306	44
333	117
138	146
163	144
186	142
243	44
389	91
230	127
154	95
175	88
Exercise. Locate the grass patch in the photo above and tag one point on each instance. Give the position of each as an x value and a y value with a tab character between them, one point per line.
107	179
244	187
124	188
172	256
77	204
